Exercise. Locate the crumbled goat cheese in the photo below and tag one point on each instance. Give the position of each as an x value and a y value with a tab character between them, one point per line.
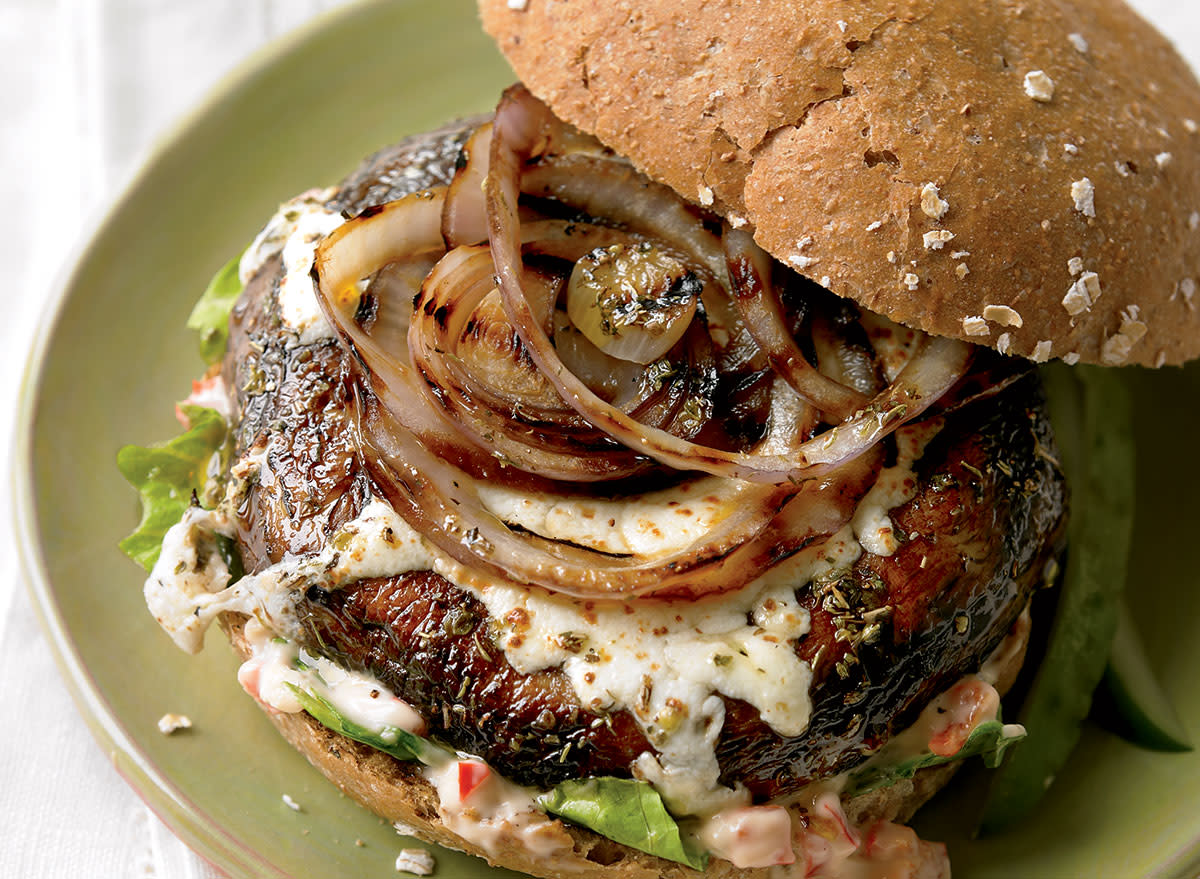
975	326
1163	160
706	195
1041	351
960	254
873	226
1003	315
1039	86
1194	221
1075	265
170	723
1116	348
932	202
1191	126
912	281
1070	149
1084	195
1078	41
736	222
827	282
937	239
416	860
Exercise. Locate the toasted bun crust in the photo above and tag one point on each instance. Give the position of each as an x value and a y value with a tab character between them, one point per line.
397	792
822	123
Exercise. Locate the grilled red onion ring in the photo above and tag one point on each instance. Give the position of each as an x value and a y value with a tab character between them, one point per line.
438	410
521	127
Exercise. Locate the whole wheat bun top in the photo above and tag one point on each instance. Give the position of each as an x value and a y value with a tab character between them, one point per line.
1018	173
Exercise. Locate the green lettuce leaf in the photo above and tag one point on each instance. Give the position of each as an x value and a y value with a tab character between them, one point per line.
626	811
400	743
210	316
166	475
989	740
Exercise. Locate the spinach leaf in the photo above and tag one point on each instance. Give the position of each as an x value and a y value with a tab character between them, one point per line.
989	740
627	811
400	743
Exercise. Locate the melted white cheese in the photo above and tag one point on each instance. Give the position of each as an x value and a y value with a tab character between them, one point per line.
667	663
295	231
896	485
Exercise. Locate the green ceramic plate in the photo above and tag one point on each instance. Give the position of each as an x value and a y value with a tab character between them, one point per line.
302	115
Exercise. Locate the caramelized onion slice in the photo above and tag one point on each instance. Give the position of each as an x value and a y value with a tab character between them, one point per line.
521	125
749	274
436	500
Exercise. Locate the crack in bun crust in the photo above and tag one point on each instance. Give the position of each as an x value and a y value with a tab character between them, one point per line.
1048	129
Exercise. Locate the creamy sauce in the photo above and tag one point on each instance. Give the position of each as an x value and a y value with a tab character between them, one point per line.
495	814
750	836
271	672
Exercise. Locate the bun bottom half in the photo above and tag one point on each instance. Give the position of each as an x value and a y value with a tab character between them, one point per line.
397	792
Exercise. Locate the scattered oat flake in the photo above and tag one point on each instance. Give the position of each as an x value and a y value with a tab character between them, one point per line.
519	5
1117	347
873	226
1039	86
842	25
706	195
962	270
801	261
1194	221
1070	149
960	254
932	202
1077	300
1163	160
171	723
290	803
937	239
1003	315
1041	351
1071	358
1004	343
736	222
827	282
417	861
1078	41
976	326
1187	287
1084	195
912	281
1191	126
891	257
1075	265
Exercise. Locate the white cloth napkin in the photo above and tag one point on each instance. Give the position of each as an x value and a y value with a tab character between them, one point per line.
87	86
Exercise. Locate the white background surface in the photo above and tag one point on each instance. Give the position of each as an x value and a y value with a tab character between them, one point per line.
86	87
